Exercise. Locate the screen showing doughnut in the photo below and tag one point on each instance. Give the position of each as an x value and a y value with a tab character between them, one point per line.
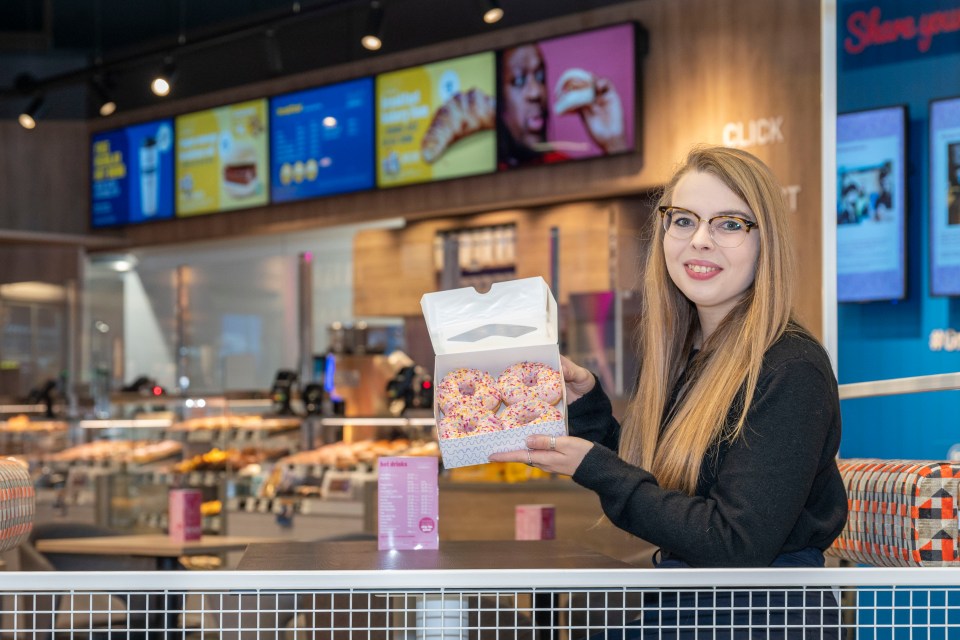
945	197
566	98
221	159
871	205
132	174
436	121
321	141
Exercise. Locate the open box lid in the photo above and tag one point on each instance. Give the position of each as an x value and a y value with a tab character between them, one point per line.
516	313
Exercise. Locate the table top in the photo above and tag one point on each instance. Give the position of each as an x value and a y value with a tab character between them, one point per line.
154	545
453	555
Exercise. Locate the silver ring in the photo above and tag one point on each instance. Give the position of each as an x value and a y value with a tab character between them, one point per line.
553	443
529	459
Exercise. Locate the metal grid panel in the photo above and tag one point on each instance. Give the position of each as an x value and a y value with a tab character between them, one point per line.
912	604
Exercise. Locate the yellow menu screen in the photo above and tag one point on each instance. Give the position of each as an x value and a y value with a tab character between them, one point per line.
437	121
221	159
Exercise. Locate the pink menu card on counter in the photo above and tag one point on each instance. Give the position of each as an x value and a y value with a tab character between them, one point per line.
408	503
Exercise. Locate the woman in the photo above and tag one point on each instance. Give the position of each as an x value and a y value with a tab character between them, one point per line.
726	457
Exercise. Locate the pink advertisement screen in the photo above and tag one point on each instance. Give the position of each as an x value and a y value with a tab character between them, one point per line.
567	98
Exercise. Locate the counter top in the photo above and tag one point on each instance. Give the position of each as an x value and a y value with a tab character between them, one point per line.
154	545
453	555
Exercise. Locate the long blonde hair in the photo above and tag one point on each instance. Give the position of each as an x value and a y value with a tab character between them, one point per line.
725	371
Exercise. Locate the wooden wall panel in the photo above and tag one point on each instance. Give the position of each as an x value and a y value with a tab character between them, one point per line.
741	66
584	251
392	269
382	285
39	263
44	177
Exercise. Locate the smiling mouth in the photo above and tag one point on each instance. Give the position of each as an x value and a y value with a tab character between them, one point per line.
697	268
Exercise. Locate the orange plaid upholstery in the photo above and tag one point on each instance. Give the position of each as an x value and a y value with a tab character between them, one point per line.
902	513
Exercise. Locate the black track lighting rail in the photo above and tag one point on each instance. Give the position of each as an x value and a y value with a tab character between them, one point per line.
26	86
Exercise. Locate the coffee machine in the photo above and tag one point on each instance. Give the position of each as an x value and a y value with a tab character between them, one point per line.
411	389
357	369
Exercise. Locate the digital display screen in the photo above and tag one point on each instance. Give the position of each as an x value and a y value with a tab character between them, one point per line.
132	174
567	98
221	159
321	141
945	197
436	121
871	209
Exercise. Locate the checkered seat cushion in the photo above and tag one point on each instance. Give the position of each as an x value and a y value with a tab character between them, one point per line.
16	504
902	513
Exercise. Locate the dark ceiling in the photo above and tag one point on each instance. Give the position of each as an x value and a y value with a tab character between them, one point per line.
56	45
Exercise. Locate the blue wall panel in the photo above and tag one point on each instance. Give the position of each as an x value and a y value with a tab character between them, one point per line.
883	340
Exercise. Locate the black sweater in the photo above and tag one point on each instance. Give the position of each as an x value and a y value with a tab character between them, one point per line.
775	490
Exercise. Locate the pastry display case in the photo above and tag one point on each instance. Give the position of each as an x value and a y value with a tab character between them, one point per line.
259	474
28	438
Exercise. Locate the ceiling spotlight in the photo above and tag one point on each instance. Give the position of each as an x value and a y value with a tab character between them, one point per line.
492	11
28	117
371	38
274	54
105	104
162	83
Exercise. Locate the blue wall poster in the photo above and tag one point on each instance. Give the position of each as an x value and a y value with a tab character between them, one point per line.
321	141
132	174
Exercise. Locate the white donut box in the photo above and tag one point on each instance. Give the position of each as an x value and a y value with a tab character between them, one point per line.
515	321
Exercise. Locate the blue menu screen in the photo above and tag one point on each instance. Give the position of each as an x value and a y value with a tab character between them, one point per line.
132	174
321	141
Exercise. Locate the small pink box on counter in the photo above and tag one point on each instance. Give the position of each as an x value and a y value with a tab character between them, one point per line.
535	522
185	520
408	501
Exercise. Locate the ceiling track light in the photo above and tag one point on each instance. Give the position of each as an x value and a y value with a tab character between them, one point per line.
28	117
274	53
105	103
492	12
371	37
162	83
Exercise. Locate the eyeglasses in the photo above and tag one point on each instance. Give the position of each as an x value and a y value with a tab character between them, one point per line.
728	232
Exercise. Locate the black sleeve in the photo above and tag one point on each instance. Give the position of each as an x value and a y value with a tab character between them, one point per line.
591	417
762	484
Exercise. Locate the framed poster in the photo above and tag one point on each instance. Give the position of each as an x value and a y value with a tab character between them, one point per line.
567	98
945	197
221	159
321	141
132	174
436	121
871	205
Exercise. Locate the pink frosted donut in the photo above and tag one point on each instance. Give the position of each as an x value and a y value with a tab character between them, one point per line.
467	420
534	411
528	380
468	386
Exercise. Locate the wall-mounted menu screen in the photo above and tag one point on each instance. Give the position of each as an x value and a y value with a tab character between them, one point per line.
871	205
945	197
436	121
221	158
132	174
321	141
567	98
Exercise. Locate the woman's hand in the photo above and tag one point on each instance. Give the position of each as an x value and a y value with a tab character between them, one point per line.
579	381
554	454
